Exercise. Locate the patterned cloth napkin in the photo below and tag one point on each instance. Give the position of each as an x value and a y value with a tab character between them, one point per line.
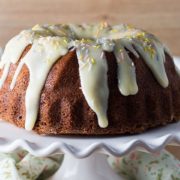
145	166
137	165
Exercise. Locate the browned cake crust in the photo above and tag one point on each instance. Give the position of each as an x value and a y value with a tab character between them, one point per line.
64	110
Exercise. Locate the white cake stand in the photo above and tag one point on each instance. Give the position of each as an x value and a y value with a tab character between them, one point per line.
86	158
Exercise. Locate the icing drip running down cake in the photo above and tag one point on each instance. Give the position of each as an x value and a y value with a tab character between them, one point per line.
88	80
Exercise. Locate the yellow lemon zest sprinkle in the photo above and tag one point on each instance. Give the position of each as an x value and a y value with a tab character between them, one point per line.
65	41
120	50
93	61
114	30
129	37
150	50
81	57
97	46
129	26
62	32
36	27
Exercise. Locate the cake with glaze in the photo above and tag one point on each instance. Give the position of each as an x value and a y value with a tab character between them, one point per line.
69	79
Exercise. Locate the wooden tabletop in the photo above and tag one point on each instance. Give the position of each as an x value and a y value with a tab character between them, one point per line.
161	17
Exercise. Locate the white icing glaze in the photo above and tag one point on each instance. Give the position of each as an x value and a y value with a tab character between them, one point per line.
155	62
126	71
12	53
4	74
39	65
177	65
93	75
49	42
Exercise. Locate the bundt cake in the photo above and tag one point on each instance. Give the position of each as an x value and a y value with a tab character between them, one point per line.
69	79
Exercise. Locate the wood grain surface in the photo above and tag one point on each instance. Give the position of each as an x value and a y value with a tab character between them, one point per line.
161	17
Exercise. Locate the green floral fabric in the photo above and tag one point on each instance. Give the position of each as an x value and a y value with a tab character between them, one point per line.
137	165
144	166
20	165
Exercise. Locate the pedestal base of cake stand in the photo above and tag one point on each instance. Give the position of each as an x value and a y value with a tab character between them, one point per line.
94	167
86	157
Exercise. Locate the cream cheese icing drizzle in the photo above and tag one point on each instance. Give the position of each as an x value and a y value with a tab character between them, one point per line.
39	65
155	61
12	53
49	42
126	71
93	75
